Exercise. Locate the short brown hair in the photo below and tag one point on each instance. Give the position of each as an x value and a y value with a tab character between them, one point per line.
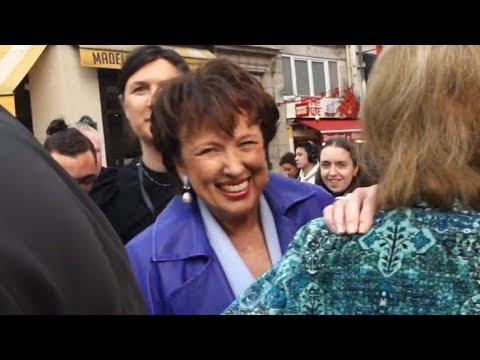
421	119
211	97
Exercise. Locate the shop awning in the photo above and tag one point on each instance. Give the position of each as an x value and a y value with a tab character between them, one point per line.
8	102
112	56
15	62
194	57
333	126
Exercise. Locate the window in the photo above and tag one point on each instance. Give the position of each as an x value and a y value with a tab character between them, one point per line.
309	77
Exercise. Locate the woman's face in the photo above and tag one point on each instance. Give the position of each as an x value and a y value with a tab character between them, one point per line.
139	91
290	170
227	173
337	168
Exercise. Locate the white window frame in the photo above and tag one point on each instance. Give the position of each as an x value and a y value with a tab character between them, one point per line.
309	61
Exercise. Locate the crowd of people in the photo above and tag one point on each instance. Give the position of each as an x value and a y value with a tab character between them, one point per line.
335	166
198	225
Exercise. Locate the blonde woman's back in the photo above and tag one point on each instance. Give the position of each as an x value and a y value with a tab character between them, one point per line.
415	261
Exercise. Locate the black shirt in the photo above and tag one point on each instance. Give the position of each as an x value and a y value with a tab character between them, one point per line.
117	191
58	253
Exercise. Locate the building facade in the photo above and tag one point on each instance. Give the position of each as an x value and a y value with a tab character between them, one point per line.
291	73
39	83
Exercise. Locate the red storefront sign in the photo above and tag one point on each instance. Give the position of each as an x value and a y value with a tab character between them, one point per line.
319	107
336	115
349	129
301	110
326	137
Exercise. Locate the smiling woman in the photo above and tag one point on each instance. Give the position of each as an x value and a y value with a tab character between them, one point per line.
207	154
340	171
213	127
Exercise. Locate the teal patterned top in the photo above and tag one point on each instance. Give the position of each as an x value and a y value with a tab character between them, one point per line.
415	261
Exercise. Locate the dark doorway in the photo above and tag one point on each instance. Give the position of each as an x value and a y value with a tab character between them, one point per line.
369	60
23	107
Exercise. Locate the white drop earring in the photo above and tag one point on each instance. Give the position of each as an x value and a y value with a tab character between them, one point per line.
187	196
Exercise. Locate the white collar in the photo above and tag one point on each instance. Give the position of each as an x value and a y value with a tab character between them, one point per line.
311	173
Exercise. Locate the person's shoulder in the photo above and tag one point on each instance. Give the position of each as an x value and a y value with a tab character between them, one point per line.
294	191
8	121
105	186
459	219
281	181
173	222
40	201
295	185
140	245
317	227
111	181
172	229
107	175
13	133
23	156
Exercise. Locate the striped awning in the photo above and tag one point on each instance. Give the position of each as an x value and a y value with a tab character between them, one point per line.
112	56
15	62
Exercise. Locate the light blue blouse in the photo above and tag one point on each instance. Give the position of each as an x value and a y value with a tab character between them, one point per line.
237	273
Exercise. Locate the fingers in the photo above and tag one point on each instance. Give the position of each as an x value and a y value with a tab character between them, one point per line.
328	218
339	215
369	209
352	209
334	216
353	213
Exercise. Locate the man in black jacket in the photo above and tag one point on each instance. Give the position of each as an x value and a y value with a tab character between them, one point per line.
58	253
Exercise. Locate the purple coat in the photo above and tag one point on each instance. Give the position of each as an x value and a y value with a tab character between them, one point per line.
177	269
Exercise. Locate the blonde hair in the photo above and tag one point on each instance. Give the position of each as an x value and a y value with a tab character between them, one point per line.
421	118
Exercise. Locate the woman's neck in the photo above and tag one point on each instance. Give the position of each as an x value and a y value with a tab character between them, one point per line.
241	224
152	158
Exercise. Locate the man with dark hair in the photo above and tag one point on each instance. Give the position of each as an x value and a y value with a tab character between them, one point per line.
58	253
306	157
74	152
